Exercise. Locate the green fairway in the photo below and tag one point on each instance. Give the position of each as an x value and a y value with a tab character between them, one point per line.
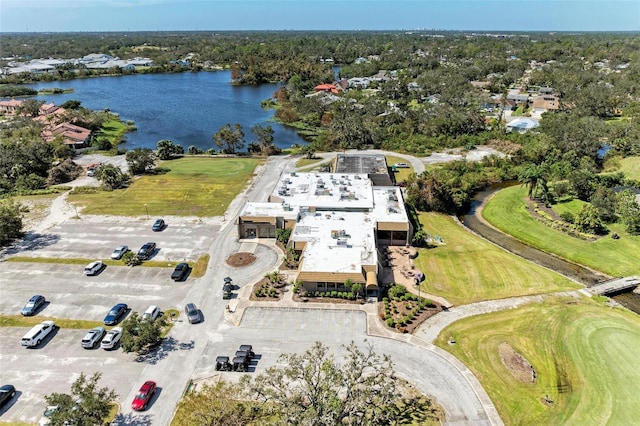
584	355
506	211
468	268
630	166
192	187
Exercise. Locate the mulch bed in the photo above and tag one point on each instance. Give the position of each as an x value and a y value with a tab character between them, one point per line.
241	259
297	298
415	323
259	284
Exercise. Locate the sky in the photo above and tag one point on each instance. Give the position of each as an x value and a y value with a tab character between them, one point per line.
224	15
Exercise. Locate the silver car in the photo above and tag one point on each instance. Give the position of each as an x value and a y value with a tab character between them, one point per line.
119	252
112	338
93	337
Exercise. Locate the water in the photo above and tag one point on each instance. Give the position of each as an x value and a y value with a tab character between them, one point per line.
187	108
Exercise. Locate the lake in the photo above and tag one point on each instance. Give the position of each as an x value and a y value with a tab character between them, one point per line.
187	108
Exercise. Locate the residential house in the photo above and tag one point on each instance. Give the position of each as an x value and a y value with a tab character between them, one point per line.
10	107
96	58
72	135
543	103
327	88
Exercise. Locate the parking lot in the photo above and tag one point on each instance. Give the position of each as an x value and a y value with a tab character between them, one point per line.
96	238
56	363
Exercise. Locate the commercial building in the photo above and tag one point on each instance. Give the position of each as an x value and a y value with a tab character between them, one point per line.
338	222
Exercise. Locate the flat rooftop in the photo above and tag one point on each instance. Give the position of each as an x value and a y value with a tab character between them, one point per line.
336	241
361	163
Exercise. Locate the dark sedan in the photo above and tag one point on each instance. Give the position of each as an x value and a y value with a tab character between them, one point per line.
158	225
116	314
6	393
33	305
180	271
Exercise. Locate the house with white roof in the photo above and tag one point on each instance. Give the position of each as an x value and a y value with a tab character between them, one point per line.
338	221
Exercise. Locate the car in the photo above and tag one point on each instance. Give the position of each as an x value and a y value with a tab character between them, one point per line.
226	291
112	338
193	313
93	337
241	363
151	313
116	314
119	252
400	166
6	393
248	349
240	354
46	416
144	395
32	306
37	333
147	250
223	364
180	271
158	225
94	267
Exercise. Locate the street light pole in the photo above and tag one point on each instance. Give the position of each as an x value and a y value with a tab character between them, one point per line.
147	210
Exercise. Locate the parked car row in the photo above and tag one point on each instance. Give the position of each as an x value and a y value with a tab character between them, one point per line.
241	360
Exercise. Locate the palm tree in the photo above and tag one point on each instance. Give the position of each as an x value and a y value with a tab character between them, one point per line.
534	177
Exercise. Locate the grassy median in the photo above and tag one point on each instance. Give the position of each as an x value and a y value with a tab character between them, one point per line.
190	187
582	352
506	211
467	268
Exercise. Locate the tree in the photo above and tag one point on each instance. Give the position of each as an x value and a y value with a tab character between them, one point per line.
629	211
218	405
588	220
229	140
308	151
141	335
166	149
111	177
66	171
535	178
140	160
265	138
313	389
87	405
604	200
10	220
30	107
194	150
71	104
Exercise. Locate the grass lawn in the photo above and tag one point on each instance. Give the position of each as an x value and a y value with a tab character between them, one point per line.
571	206
401	174
192	187
583	353
631	167
469	269
506	211
304	162
20	321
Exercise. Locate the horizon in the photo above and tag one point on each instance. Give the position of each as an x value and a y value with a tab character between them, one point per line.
64	16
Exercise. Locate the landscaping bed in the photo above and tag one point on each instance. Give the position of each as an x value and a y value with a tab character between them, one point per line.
269	288
404	312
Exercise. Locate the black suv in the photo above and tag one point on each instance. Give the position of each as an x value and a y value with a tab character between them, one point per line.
241	363
147	250
223	364
226	290
158	225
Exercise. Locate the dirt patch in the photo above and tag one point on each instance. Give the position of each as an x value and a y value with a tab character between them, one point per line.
241	259
517	365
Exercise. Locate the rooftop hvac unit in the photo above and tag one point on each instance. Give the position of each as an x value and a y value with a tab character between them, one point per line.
342	242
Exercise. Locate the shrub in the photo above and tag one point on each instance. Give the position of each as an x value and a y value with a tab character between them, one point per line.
567	217
334	293
351	296
390	322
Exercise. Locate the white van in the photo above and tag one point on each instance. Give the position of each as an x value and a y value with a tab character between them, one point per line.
151	313
37	334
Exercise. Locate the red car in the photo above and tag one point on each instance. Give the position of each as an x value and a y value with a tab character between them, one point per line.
143	396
